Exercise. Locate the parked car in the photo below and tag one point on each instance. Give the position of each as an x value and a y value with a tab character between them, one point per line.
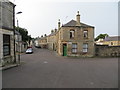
29	51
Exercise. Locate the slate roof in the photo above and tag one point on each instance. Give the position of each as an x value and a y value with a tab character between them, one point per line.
52	34
112	38
73	23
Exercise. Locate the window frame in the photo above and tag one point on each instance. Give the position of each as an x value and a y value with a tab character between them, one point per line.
74	48
6	45
72	33
85	48
85	33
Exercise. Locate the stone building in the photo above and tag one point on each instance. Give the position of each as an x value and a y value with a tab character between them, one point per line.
52	40
20	46
43	41
7	49
108	47
36	42
71	39
75	39
18	42
110	41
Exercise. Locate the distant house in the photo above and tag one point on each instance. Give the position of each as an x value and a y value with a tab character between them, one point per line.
36	42
20	46
110	41
43	42
7	49
52	40
18	41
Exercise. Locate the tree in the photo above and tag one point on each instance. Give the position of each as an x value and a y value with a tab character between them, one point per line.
101	36
24	33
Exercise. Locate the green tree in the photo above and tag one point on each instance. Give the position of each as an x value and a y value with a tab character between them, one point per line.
101	36
24	33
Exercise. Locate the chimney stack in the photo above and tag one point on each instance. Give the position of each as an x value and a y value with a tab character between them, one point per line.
58	24
45	35
78	18
52	31
55	30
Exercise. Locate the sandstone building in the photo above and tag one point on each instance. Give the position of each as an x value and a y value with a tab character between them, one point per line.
110	41
76	39
72	39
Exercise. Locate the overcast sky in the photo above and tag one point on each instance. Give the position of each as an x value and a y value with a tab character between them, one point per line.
40	16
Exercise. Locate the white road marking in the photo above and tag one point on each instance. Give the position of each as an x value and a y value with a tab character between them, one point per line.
45	62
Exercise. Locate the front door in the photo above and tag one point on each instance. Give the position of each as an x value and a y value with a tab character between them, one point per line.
64	50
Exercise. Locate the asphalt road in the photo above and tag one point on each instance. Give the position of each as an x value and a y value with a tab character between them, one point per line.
45	69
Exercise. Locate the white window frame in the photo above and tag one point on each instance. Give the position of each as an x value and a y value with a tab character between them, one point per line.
72	33
85	33
85	47
74	47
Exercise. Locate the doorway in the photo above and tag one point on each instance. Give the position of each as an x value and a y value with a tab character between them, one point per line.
64	49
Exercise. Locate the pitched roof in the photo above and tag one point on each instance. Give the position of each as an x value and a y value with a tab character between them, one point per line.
112	38
52	34
73	23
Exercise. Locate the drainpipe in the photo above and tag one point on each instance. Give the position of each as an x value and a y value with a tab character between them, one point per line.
14	32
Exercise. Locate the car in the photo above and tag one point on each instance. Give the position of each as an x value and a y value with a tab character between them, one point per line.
29	51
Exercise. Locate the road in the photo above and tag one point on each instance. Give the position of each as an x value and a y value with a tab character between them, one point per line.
45	69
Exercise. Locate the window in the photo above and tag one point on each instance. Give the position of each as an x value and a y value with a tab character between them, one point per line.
111	43
6	44
85	47
72	33
74	48
85	33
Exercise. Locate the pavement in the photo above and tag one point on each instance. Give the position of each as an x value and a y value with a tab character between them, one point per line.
45	69
8	66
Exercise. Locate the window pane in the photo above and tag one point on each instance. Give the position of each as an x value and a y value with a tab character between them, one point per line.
74	50
85	50
74	45
6	44
72	33
85	33
85	45
6	50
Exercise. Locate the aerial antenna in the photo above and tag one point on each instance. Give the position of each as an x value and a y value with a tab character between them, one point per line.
66	18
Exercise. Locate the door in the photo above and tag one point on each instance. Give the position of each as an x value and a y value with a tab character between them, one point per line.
64	50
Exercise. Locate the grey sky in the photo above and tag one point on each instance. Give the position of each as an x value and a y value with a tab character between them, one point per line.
40	17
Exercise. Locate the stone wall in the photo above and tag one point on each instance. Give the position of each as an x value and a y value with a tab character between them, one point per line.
6	11
6	27
64	38
9	58
107	51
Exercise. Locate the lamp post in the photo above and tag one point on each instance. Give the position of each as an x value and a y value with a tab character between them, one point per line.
17	19
18	37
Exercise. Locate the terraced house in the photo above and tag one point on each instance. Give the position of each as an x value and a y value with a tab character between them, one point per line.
7	49
72	39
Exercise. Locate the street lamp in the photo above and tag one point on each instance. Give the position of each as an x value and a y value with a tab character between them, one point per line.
17	18
18	37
